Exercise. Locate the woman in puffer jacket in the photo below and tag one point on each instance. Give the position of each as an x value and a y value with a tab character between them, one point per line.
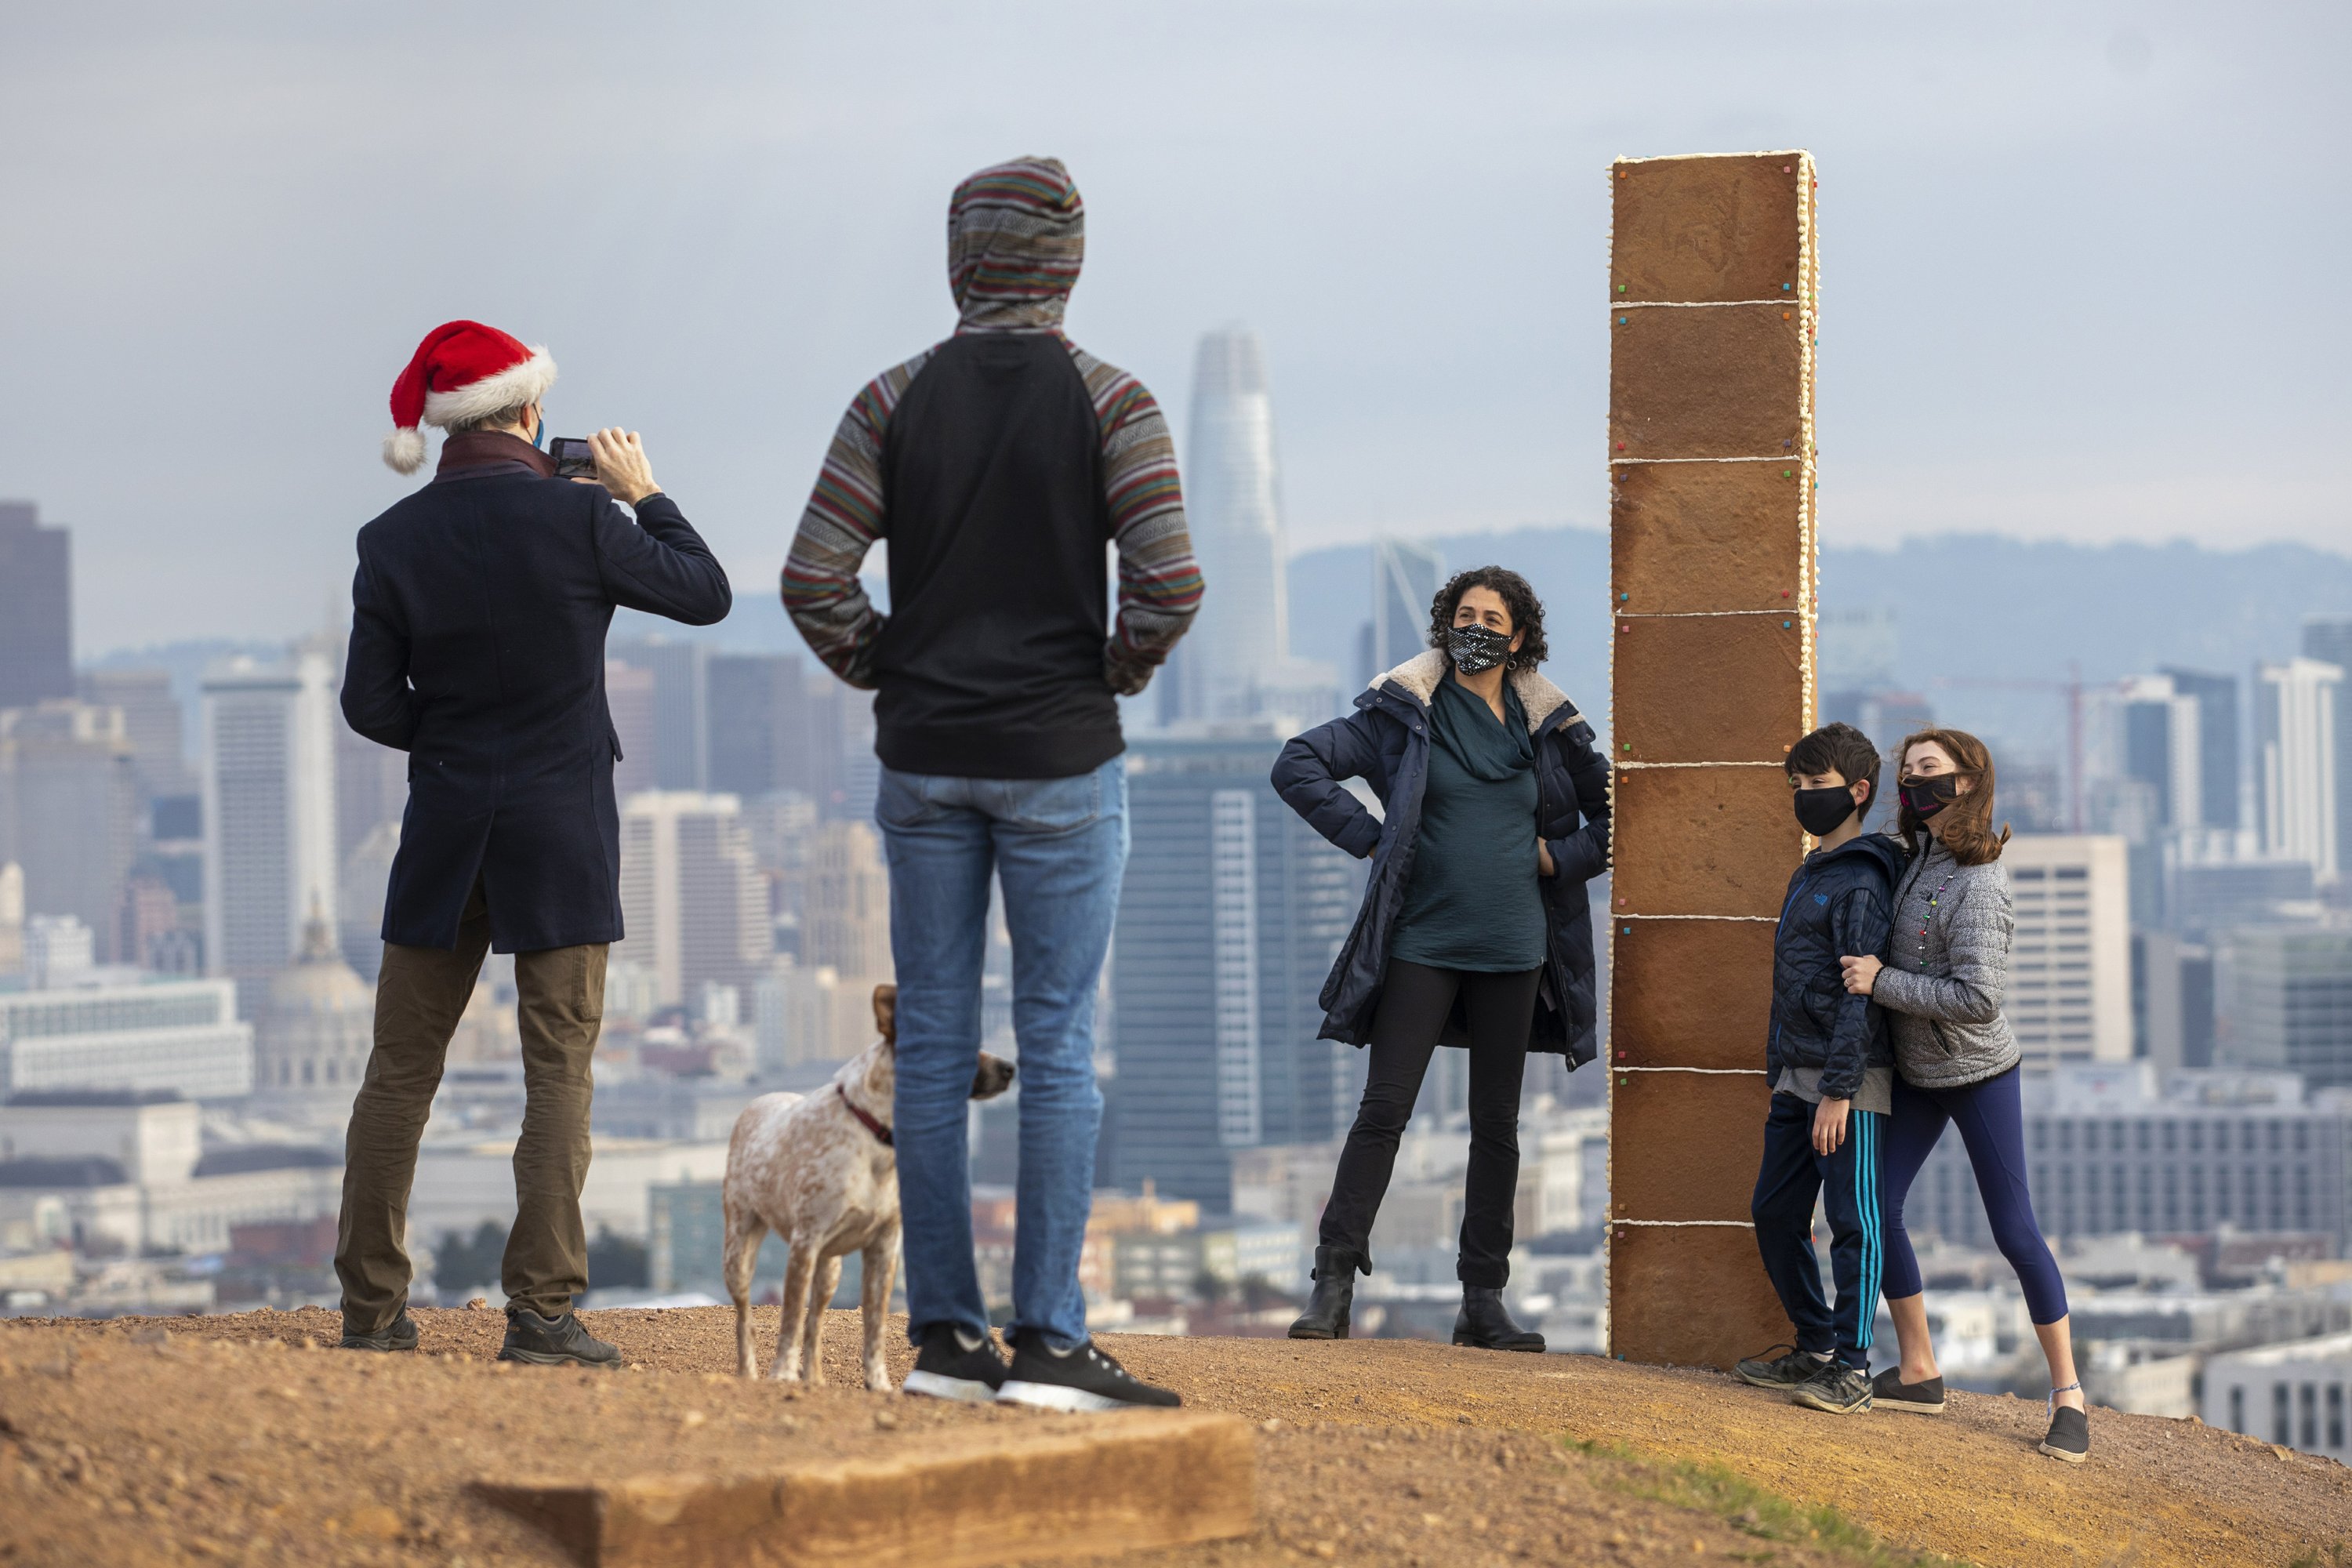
1955	1061
1475	930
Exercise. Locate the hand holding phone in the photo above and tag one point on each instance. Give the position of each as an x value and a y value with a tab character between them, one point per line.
622	467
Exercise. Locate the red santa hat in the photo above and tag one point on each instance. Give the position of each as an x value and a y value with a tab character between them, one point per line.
461	371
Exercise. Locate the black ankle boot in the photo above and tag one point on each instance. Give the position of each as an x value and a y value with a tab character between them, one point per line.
1325	1317
1487	1324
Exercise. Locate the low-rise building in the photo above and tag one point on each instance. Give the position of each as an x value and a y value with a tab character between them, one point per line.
2118	1147
128	1171
181	1036
2293	1394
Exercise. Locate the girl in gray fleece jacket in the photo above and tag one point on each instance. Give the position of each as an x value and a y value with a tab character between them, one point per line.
1941	986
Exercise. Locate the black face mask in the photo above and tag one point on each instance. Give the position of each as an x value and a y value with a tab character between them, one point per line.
1821	811
1477	647
1927	796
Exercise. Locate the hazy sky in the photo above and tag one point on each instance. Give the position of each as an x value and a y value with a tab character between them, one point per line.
2084	264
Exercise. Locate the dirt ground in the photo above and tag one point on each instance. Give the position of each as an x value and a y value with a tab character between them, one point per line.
247	1439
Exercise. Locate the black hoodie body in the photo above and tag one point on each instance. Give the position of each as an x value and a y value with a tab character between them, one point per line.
1840	904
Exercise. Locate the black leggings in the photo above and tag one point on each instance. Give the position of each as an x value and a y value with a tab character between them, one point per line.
1414	1003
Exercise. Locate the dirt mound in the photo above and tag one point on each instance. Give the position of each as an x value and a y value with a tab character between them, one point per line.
226	1440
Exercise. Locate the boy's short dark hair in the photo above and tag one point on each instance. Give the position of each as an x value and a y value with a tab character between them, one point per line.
1838	749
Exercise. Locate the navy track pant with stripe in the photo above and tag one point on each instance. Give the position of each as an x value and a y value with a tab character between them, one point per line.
1791	1177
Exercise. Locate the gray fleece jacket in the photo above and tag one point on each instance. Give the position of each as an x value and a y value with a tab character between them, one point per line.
1947	970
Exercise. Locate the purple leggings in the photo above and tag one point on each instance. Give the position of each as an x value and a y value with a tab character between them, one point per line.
1992	1125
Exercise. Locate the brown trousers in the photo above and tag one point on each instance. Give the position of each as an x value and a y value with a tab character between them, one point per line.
419	996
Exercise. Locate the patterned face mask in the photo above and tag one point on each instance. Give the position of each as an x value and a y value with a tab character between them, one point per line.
1477	647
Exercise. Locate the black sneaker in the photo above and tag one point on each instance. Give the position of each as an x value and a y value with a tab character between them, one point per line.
1889	1392
1085	1378
955	1364
400	1334
1838	1389
1770	1371
553	1341
2070	1435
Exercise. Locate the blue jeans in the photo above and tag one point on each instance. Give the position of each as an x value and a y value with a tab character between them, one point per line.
1058	847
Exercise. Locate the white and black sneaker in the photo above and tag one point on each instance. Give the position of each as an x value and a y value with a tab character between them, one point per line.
955	1363
1084	1378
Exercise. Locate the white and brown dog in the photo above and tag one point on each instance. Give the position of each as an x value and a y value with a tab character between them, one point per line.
819	1171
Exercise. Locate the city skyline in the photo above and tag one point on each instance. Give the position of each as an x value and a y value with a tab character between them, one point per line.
2017	197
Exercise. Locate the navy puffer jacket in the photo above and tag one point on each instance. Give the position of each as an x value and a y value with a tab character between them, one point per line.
1839	905
1385	742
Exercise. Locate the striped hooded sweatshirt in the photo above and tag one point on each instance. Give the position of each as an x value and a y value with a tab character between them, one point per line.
998	464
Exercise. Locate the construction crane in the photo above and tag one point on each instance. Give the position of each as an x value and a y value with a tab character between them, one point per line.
2072	688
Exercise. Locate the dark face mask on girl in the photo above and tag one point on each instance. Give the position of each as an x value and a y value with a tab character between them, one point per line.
1926	796
1477	647
1821	812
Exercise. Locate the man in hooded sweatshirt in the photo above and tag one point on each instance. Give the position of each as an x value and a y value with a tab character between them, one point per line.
999	463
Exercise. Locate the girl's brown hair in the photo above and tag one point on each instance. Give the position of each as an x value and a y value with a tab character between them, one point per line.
1967	821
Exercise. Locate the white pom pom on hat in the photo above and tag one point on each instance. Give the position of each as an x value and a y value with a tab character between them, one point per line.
463	370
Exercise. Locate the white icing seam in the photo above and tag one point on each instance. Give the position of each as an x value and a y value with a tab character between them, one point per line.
1628	762
1687	157
1788	300
1783	457
1685	1223
1767	919
1787	614
1711	1072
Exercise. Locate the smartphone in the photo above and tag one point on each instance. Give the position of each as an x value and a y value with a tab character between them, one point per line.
574	459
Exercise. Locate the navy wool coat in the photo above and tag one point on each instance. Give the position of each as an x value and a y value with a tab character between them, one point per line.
478	646
1386	743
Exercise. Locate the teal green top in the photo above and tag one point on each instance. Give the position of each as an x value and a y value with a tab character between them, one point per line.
1473	900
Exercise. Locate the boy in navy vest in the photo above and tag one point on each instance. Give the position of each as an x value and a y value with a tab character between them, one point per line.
1832	1075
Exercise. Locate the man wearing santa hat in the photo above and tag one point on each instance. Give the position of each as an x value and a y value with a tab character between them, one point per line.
478	646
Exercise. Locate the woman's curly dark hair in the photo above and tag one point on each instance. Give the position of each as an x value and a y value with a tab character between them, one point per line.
1519	599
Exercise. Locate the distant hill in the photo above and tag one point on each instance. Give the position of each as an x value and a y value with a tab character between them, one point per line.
1966	607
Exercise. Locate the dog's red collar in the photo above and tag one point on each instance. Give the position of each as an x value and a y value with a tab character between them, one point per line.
859	1111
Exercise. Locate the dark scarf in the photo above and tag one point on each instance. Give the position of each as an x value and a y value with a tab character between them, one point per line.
1461	721
477	449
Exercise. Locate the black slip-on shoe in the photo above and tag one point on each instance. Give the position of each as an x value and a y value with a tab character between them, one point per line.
1837	1388
1889	1392
400	1334
1771	1370
956	1364
553	1341
2070	1435
1085	1378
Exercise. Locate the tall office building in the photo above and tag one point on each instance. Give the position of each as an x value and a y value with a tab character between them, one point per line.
2070	993
846	903
2218	753
36	608
2296	782
680	751
629	699
1406	580
69	812
692	899
371	788
151	723
2286	996
1231	914
1232	502
758	725
2161	741
2329	638
269	813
